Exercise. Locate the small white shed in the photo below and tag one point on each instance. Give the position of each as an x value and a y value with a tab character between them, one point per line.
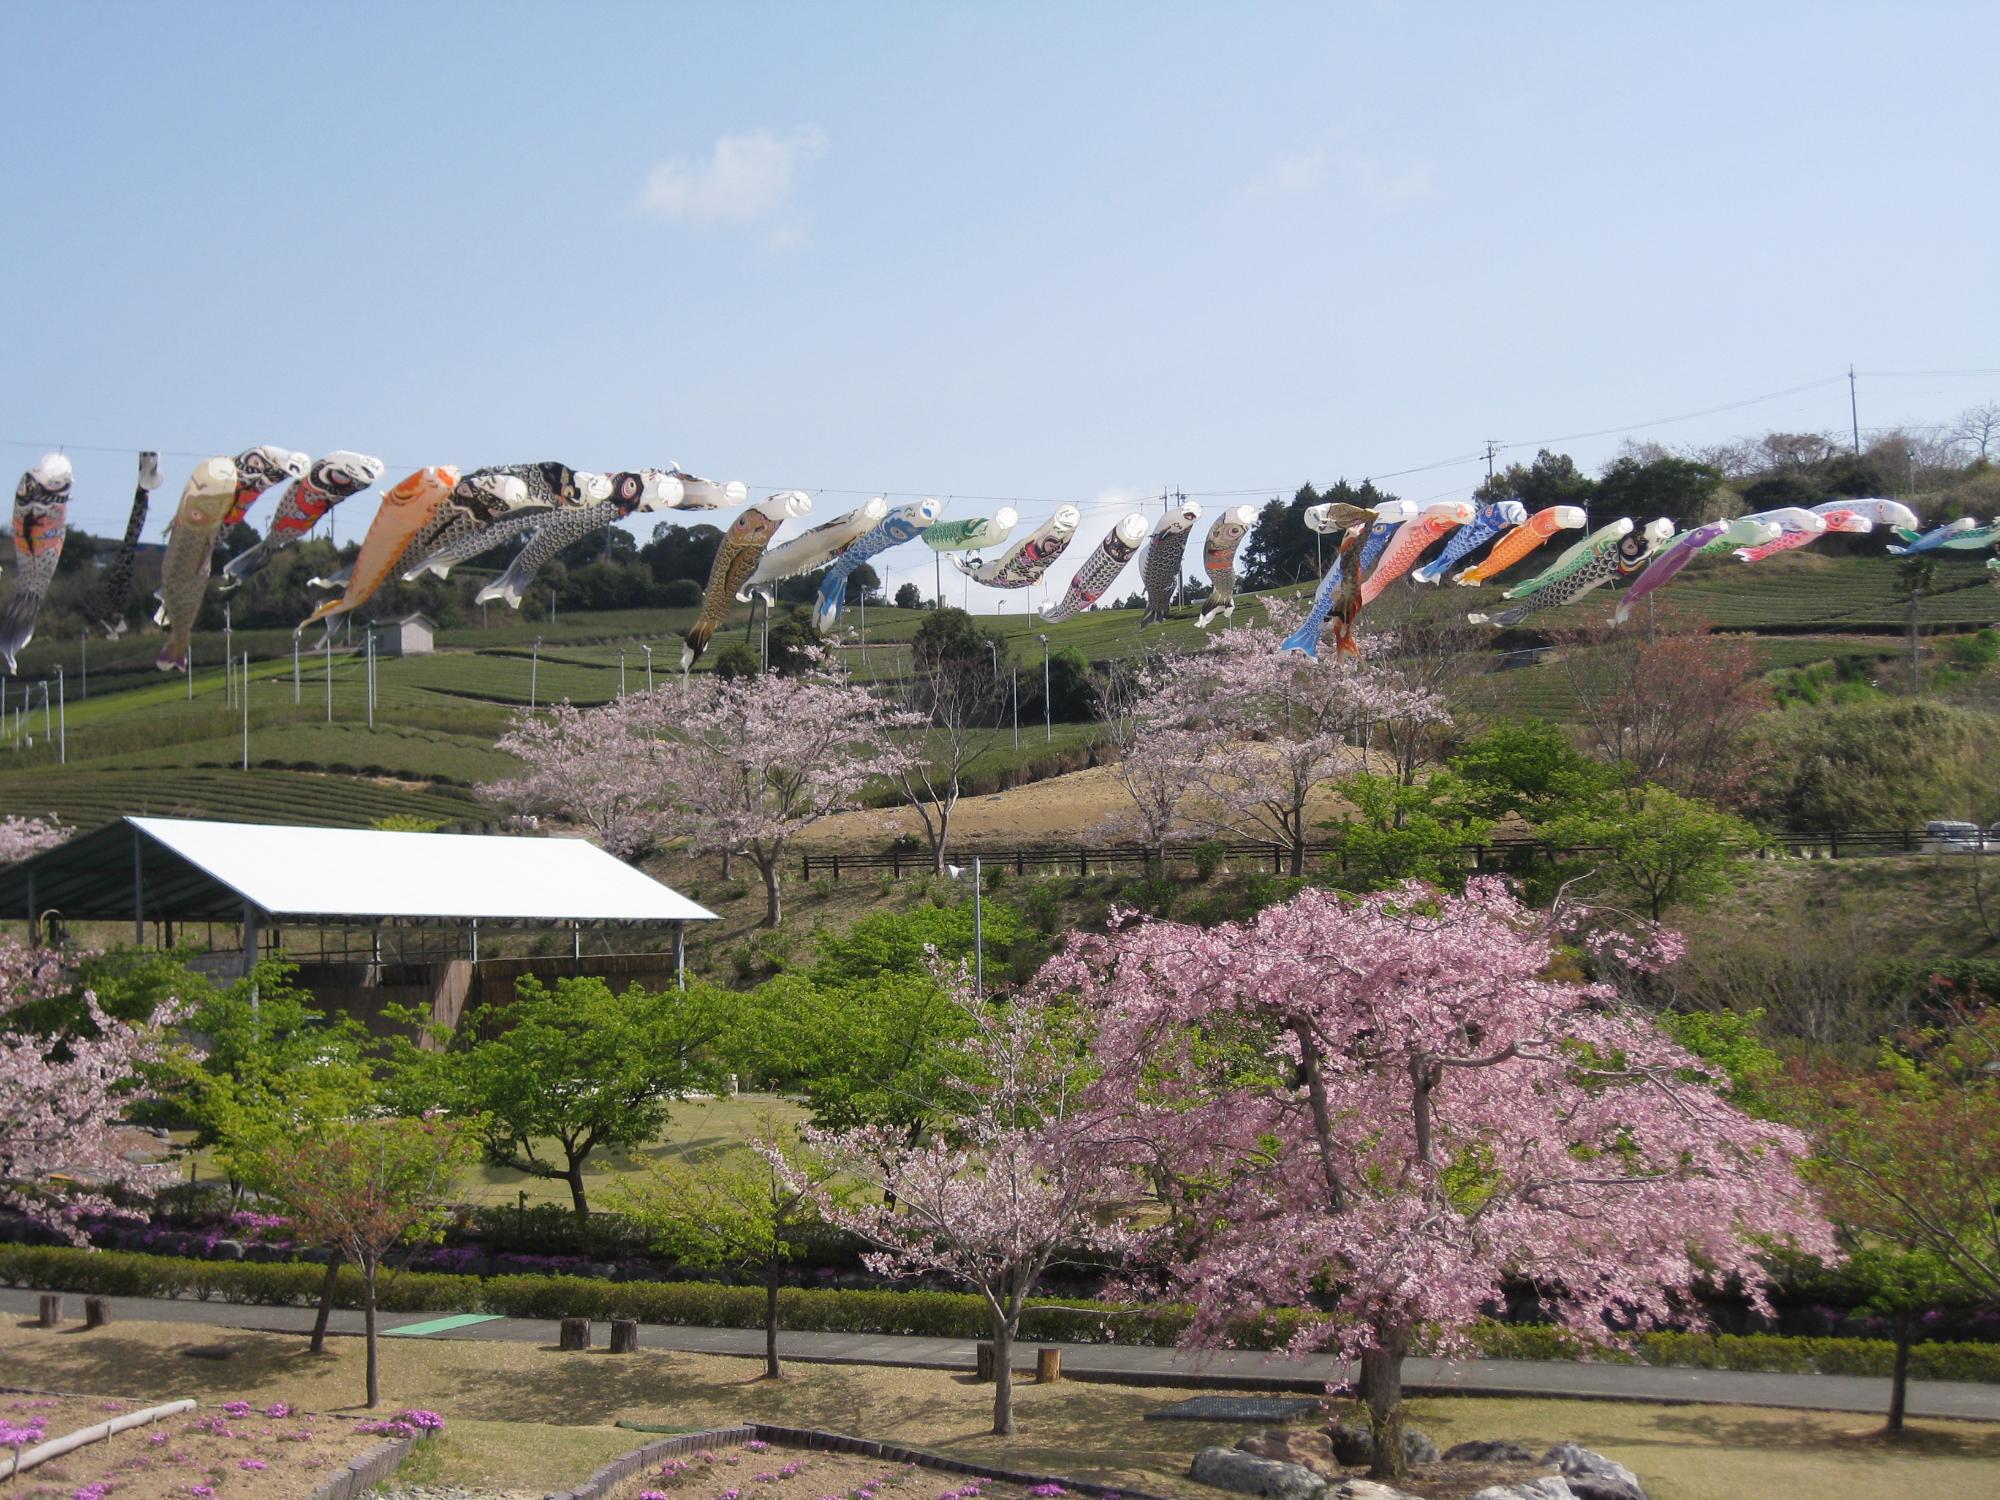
413	635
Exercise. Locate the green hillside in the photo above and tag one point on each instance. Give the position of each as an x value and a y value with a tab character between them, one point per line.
144	741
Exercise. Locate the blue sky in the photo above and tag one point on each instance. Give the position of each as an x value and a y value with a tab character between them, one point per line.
1054	252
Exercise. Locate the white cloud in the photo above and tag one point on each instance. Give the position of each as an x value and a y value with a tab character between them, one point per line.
1291	177
1358	173
748	176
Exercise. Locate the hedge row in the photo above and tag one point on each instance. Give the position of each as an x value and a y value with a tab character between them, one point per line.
933	1314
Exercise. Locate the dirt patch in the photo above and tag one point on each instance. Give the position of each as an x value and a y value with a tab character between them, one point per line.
765	1471
1070	809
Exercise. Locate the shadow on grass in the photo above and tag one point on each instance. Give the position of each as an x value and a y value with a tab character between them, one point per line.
1864	1440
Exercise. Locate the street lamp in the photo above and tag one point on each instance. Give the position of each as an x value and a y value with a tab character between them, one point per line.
959	872
649	665
534	670
1047	733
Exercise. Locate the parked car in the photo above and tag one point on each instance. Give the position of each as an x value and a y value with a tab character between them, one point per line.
1952	836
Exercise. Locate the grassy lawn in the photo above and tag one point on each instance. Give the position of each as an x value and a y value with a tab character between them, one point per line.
521	1415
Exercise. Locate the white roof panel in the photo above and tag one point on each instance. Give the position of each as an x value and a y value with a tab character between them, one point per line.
350	872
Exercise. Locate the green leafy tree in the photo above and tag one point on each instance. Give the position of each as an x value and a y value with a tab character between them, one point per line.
1663	849
361	1187
1423	831
1888	763
722	1206
1683	491
908	597
1527	769
1909	1165
1552	479
575	1068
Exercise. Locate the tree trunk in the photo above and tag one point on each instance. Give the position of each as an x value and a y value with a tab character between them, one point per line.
773	908
368	1328
318	1344
771	1369
1298	866
574	1177
1899	1376
1003	1376
728	859
1382	1374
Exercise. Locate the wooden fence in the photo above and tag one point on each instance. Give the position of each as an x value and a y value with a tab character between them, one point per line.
1495	854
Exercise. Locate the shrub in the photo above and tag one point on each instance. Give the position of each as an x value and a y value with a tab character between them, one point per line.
1208	856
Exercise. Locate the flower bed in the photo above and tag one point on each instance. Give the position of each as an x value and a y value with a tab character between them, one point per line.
234	1451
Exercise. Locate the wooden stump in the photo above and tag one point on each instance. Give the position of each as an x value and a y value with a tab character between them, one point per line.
96	1311
52	1310
575	1333
624	1335
982	1361
1048	1366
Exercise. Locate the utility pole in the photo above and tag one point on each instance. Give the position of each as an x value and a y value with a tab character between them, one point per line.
1492	447
1854	408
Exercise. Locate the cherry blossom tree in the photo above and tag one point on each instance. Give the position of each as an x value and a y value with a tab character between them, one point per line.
595	767
1381	1102
752	763
61	1095
1022	1173
360	1187
21	838
1276	728
1161	737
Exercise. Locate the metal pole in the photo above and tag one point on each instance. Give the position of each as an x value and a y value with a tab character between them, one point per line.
649	667
767	638
621	673
534	669
246	710
1854	408
1017	706
1048	732
978	936
138	889
295	671
327	644
62	721
371	676
83	645
228	660
48	719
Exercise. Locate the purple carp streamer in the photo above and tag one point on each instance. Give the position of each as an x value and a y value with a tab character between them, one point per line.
107	604
41	511
205	500
1100	570
1160	568
735	560
328	480
812	549
1218	559
1028	559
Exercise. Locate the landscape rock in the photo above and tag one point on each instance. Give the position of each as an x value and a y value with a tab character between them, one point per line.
1487	1451
1303	1446
1592	1476
1548	1487
1247	1474
227	1250
1354	1445
1367	1489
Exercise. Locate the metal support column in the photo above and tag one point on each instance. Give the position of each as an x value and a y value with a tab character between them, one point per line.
138	891
681	955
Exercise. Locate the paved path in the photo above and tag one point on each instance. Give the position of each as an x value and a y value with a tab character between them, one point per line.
1131	1364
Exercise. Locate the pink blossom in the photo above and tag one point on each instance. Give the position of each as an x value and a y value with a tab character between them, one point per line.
1409	1116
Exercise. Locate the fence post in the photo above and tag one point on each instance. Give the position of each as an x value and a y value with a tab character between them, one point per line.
1083	862
1909	842
1833	843
1020	862
835	866
805	867
1277	861
895	862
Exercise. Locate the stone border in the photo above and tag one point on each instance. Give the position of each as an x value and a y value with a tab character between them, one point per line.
364	1473
626	1465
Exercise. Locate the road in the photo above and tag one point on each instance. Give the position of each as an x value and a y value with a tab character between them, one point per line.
1245	1370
